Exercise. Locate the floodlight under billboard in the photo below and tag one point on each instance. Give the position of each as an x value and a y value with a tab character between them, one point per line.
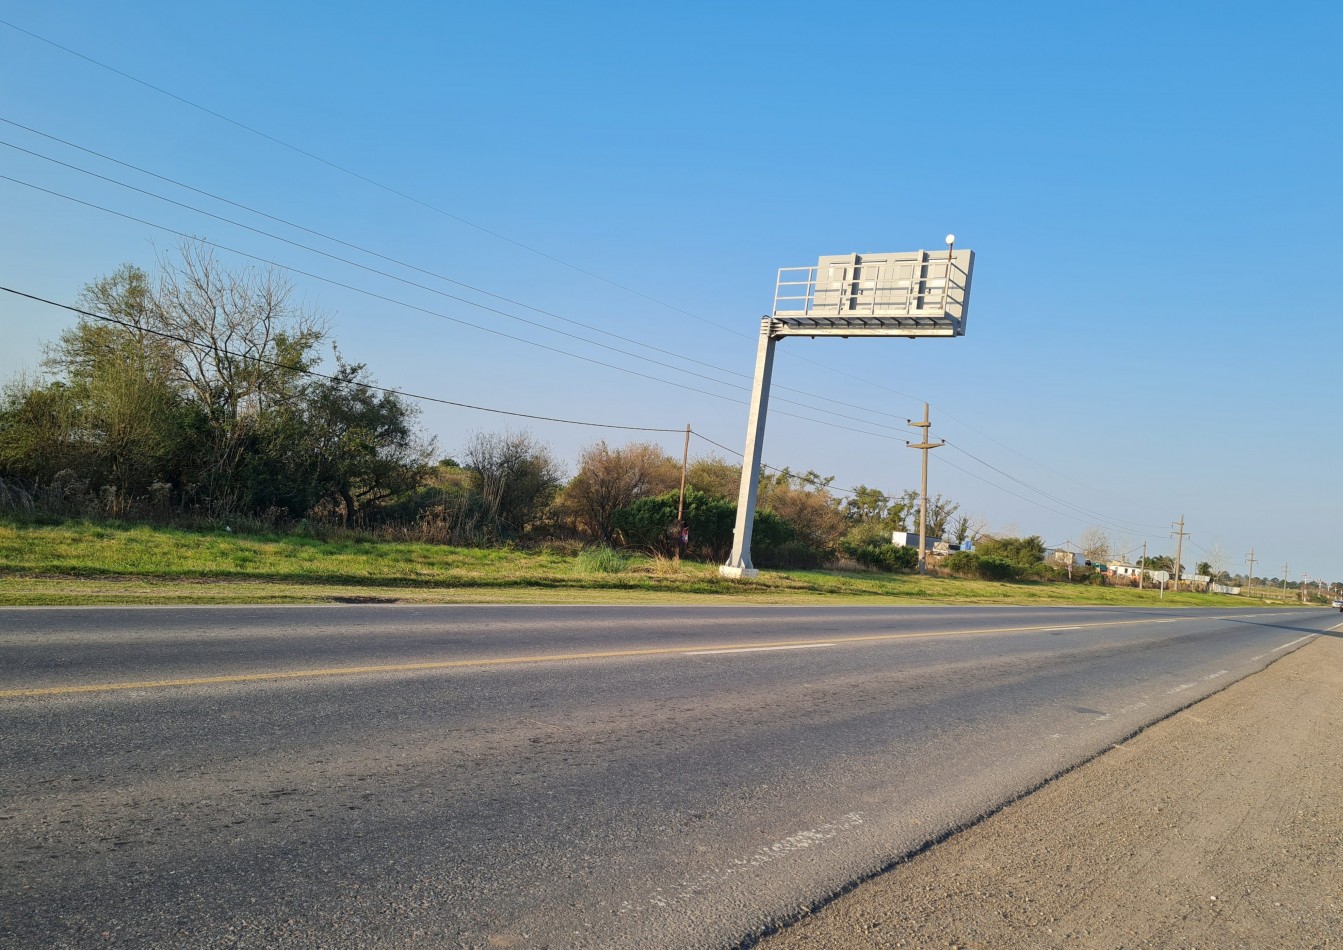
904	294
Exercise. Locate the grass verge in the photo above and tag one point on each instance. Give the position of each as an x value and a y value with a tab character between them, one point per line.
80	563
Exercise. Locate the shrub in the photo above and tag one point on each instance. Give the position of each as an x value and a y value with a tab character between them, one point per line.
961	564
882	557
1023	552
601	560
900	558
13	498
647	524
987	568
791	553
870	545
997	569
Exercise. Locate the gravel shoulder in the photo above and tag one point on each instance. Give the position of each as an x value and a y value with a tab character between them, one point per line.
1221	826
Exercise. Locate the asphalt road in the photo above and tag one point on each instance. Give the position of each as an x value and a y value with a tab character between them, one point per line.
540	776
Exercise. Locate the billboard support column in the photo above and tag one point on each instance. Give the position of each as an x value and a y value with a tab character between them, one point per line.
739	563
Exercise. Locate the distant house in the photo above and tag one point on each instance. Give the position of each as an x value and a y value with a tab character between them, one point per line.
1063	557
910	539
1120	569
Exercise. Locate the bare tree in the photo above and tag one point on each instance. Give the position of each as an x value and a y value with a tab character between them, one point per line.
1094	543
515	476
968	528
1217	559
241	334
241	344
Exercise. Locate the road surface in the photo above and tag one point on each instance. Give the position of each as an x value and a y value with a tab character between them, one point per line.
541	776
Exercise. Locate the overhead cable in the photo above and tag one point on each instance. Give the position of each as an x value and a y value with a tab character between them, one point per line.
425	310
1052	497
1070	516
438	210
313	373
401	263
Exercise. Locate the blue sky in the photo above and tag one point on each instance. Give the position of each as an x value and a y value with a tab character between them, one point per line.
1151	191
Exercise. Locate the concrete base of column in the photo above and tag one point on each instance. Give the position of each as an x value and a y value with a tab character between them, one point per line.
738	573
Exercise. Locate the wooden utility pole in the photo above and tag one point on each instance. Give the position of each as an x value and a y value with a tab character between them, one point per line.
1249	578
1142	565
924	446
1179	535
1284	577
680	504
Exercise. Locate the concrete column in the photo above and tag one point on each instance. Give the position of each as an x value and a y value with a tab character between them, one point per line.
739	562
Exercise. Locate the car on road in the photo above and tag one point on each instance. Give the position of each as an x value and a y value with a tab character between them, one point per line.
1338	604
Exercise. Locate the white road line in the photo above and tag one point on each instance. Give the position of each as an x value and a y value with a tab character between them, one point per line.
1259	657
1335	627
791	646
1293	643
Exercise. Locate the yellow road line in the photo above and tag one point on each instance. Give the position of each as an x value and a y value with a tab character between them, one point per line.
540	658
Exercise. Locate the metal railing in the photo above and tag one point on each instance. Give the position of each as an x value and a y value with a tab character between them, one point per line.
888	288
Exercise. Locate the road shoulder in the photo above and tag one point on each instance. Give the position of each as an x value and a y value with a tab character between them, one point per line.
1221	826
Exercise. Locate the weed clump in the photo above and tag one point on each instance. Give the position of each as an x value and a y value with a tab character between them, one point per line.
601	560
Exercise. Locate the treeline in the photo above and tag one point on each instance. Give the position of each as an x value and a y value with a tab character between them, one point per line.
201	394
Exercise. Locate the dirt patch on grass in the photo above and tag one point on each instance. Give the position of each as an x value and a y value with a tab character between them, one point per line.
1219	827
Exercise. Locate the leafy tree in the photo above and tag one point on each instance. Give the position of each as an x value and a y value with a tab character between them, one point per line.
235	341
1023	552
867	505
903	512
39	431
112	416
940	511
715	477
201	385
343	441
610	479
1204	567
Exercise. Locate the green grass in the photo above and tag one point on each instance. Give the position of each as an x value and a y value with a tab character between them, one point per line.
84	563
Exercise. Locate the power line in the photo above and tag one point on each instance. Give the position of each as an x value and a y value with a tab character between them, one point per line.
309	372
441	293
424	310
440	315
1111	521
1068	515
401	263
455	217
364	178
791	474
303	371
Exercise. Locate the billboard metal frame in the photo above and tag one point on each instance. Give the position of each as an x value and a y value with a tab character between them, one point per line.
909	294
